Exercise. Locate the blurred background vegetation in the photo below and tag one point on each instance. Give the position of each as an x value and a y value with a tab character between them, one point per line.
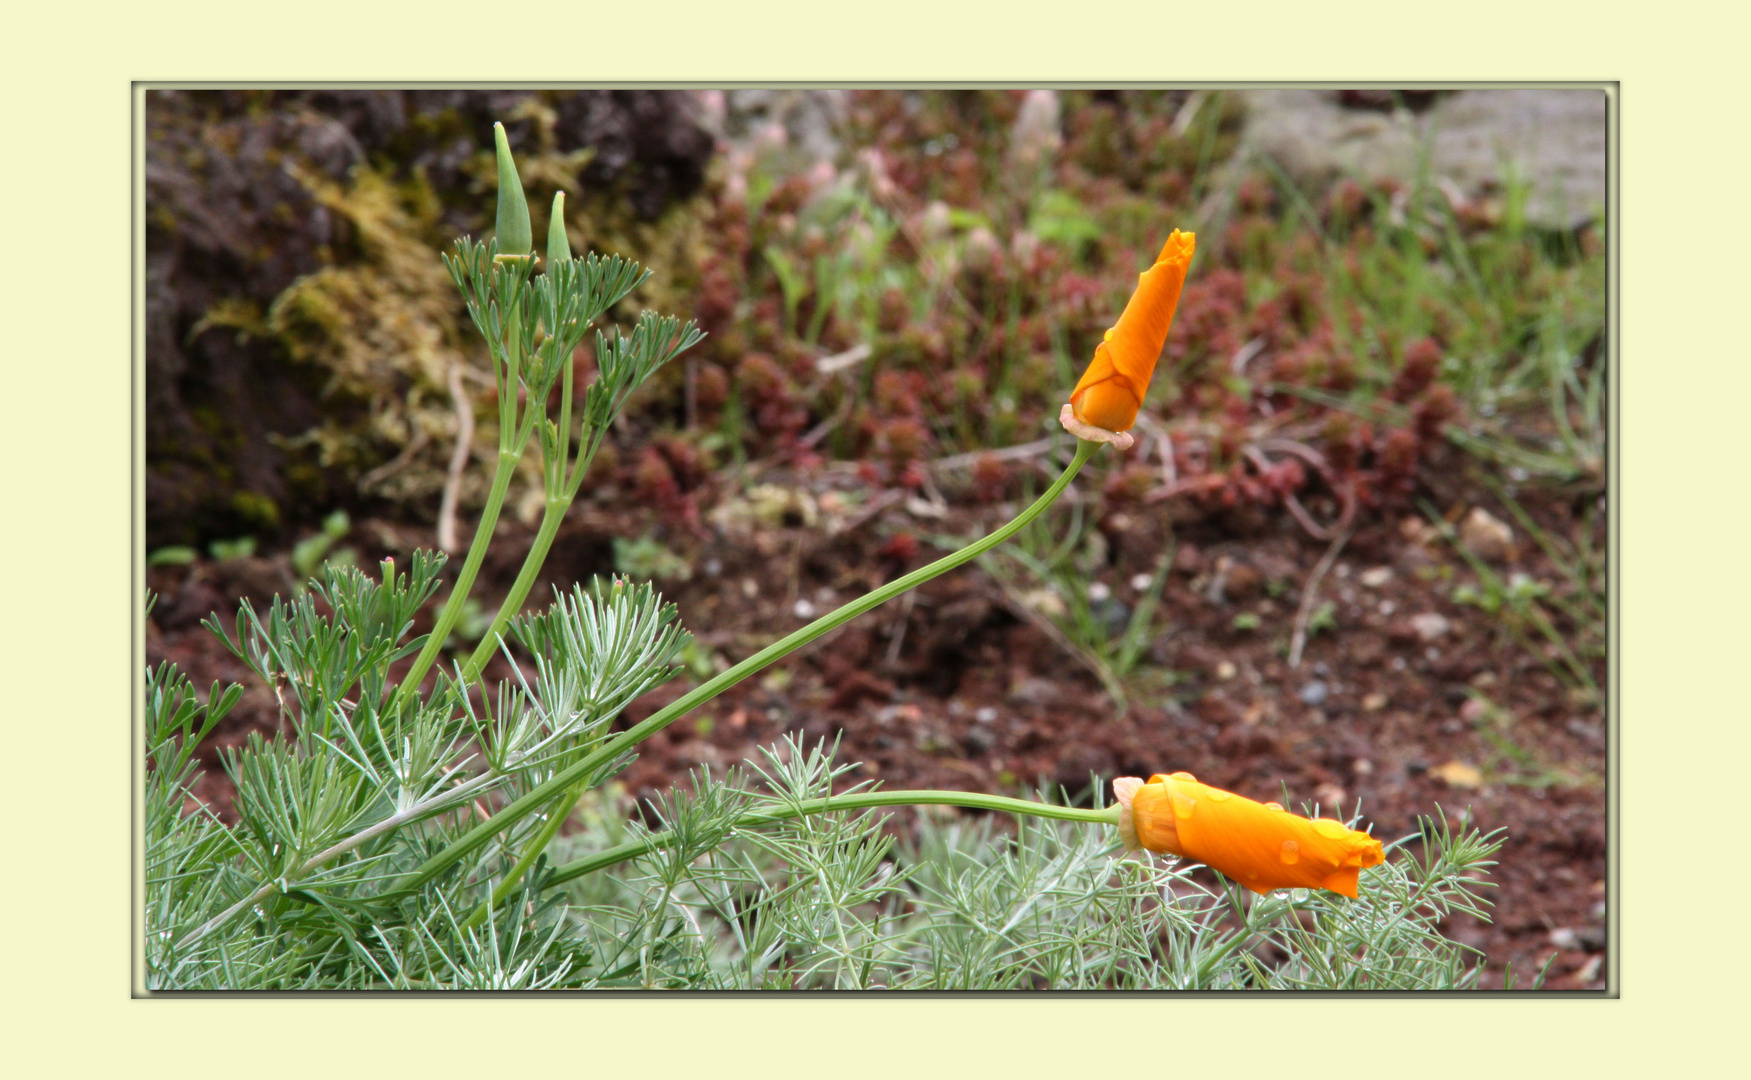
887	277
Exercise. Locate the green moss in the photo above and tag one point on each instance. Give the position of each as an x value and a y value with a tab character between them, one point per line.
257	508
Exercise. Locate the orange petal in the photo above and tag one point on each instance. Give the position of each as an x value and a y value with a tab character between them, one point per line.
1137	338
1109	403
1342	881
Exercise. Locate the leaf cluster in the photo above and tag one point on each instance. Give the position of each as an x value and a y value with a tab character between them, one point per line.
366	784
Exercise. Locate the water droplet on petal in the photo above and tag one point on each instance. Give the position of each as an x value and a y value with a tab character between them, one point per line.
1291	853
1183	805
1108	336
1274	806
1184	776
1219	795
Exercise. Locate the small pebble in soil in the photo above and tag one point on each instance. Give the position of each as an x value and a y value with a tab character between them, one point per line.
1314	693
1473	710
1376	576
1098	591
1432	653
1398	663
1362	767
1387	607
803	609
1485	536
1458	774
1140	582
1111	613
1226	670
750	588
1188	560
713	567
1034	691
985	715
1373	702
1430	625
979	741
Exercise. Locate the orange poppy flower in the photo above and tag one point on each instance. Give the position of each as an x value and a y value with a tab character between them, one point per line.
1260	845
1111	391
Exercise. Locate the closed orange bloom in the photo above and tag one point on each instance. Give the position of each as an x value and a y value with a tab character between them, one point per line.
1112	389
1260	845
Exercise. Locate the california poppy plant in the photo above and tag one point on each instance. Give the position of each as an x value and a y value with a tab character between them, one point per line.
1107	397
1260	845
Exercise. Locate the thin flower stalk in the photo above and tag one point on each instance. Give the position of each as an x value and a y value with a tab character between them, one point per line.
867	800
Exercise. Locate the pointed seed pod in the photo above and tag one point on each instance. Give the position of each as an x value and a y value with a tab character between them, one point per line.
515	235
558	247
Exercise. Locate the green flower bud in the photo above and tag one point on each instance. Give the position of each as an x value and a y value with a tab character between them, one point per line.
558	247
515	234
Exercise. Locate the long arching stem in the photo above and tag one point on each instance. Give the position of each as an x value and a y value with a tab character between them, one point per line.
860	801
561	782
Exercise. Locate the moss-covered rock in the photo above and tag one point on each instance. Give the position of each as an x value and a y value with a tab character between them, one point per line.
300	329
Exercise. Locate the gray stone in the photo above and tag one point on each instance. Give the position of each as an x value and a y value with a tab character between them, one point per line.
1314	693
1551	139
807	116
1430	625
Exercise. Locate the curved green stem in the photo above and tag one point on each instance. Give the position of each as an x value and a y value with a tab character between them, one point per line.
861	801
551	519
556	817
604	755
452	612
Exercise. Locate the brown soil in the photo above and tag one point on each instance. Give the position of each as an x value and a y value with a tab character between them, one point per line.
957	688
